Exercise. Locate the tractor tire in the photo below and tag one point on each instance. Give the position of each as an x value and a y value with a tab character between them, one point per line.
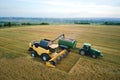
82	52
94	56
33	54
45	57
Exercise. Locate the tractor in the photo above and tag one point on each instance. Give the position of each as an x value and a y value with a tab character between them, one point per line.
87	50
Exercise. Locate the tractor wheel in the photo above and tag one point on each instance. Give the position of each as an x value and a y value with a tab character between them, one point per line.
82	52
33	54
94	56
45	57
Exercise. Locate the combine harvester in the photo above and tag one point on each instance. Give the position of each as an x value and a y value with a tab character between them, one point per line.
52	53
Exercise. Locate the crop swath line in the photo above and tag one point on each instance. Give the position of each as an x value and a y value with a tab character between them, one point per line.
8	53
68	62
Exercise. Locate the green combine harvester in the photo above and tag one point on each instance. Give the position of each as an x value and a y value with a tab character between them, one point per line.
52	53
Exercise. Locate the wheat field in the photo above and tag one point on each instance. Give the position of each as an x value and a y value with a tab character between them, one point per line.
17	64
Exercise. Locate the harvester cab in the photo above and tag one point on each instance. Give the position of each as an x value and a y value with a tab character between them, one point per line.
49	52
87	50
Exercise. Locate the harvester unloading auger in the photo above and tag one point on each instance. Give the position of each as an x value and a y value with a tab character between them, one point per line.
52	53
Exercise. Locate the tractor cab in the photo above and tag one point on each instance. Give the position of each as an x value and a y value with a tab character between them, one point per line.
87	46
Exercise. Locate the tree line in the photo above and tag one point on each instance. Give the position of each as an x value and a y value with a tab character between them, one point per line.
111	23
10	24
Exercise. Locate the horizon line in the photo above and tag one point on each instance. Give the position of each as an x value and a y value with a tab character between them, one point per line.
55	17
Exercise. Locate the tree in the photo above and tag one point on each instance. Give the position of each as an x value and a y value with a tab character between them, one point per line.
9	24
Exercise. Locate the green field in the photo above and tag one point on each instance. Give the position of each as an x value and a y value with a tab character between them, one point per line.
17	64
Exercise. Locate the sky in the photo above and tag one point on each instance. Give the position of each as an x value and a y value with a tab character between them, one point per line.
60	8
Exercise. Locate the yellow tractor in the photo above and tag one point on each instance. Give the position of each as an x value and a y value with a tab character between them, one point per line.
49	52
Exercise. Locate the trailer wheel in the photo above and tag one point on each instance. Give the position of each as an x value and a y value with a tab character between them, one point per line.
45	57
82	52
94	56
33	54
